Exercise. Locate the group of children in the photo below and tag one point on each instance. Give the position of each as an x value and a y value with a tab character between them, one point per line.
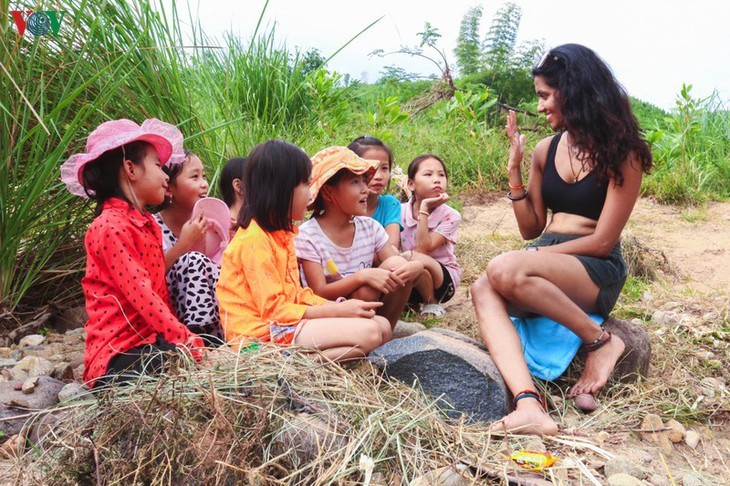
337	283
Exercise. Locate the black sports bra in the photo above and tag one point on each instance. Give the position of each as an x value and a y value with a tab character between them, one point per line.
584	198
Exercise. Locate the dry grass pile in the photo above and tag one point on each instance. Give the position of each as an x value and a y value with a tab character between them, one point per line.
236	423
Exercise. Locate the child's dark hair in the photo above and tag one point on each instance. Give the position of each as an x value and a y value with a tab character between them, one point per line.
273	170
173	171
318	204
231	171
362	144
101	176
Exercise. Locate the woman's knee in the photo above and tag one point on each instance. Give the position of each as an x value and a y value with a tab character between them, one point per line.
505	273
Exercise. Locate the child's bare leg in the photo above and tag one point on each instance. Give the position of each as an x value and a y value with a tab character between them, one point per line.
505	349
343	338
395	301
366	293
431	279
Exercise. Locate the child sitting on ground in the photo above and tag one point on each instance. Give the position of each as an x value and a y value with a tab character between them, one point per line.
231	186
191	275
337	246
259	290
131	321
383	208
429	234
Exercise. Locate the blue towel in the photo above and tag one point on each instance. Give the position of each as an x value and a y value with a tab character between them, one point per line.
548	347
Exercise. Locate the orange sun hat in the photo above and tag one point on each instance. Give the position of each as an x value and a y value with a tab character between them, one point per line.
328	162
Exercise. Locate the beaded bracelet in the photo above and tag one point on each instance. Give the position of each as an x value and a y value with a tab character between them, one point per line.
518	198
514	188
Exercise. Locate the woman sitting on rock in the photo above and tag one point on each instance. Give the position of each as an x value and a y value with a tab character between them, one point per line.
588	176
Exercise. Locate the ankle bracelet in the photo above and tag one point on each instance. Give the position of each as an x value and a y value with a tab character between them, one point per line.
528	394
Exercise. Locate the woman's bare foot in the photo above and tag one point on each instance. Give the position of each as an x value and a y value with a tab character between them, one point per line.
599	365
528	418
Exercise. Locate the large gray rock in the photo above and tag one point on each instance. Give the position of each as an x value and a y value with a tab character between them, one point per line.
14	403
448	365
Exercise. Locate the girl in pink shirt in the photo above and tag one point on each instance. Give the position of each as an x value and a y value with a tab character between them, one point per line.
429	234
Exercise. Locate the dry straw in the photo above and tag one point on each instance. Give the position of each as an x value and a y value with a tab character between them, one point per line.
267	417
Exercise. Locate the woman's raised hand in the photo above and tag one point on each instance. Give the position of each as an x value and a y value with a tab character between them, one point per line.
516	142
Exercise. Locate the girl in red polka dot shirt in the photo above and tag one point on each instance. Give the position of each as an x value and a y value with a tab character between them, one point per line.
130	315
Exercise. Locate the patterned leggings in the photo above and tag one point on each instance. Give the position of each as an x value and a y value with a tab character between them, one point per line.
192	281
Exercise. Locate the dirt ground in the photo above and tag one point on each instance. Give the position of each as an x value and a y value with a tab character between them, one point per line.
693	247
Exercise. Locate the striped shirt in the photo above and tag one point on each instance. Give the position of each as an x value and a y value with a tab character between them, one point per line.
312	244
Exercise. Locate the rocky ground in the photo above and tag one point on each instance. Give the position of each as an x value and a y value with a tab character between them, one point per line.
668	429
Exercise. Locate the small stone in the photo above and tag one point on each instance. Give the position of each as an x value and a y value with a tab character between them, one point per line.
63	371
624	465
73	391
378	479
623	480
79	372
661	438
677	432
18	386
533	444
692	439
646	456
602	436
444	476
711	386
19	403
13	447
29	385
403	329
31	340
34	366
7	363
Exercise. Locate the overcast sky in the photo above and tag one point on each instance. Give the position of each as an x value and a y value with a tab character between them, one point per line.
652	46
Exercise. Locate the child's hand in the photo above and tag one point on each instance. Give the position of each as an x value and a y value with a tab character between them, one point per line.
193	231
382	280
358	308
433	202
516	142
410	272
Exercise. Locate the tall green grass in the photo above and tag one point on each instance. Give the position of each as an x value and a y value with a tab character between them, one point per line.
125	60
691	151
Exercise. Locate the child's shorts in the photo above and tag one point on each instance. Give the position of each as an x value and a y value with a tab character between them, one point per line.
285	335
443	294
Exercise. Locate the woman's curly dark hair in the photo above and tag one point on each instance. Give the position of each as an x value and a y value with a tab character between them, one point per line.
596	110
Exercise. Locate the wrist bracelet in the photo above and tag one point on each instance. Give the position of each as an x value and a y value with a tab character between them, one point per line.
518	198
339	300
424	212
514	188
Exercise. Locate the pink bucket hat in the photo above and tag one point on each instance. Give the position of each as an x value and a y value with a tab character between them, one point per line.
328	162
164	137
216	239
